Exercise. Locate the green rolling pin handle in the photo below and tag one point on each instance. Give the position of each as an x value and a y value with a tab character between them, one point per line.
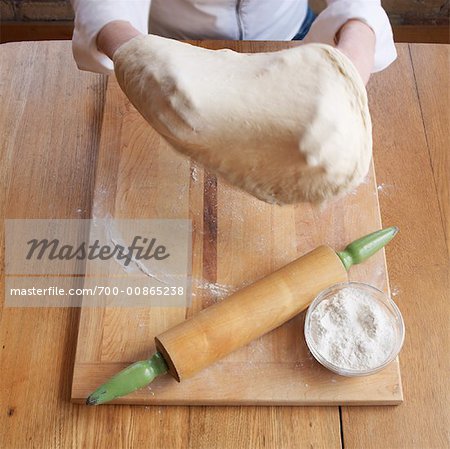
361	249
133	377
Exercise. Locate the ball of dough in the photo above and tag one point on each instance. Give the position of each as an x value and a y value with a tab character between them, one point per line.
285	126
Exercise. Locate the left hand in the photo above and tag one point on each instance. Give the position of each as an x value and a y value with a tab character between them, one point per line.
357	41
113	35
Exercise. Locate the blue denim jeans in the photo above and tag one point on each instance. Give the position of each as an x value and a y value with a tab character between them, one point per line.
306	25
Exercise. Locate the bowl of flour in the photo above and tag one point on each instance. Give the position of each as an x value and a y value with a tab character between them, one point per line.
354	329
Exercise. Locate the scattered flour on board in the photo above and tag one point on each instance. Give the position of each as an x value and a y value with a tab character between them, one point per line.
352	331
215	290
384	188
194	174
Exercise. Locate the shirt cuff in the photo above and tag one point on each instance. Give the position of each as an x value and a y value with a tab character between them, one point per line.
91	16
338	12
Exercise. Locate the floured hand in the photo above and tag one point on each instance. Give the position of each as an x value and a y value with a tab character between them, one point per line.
286	126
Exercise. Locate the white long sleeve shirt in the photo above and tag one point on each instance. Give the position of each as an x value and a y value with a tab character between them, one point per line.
224	19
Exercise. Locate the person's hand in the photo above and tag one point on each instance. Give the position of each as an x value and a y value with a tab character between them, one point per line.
357	41
113	35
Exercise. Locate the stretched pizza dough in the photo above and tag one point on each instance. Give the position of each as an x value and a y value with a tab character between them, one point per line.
286	126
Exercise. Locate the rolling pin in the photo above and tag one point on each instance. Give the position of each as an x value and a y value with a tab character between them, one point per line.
242	317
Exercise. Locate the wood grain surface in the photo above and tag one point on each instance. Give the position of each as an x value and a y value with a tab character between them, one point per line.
419	270
237	240
433	90
51	120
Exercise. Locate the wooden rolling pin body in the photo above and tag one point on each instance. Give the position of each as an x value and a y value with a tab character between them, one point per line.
249	313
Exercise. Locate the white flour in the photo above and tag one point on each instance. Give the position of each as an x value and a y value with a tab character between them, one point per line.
351	330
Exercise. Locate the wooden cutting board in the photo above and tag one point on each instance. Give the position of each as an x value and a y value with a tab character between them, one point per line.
236	239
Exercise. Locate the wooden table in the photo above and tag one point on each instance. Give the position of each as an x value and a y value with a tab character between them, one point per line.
50	120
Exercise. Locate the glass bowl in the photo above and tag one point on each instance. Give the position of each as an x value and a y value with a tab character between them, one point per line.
382	299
